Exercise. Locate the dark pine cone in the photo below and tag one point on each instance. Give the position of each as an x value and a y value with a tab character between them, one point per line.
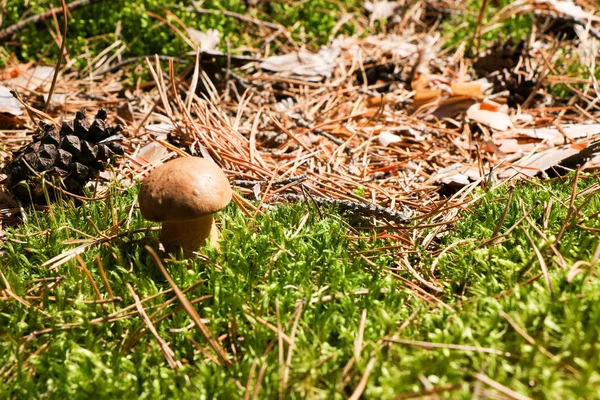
74	155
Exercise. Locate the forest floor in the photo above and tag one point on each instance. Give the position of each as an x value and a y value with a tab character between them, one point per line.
416	210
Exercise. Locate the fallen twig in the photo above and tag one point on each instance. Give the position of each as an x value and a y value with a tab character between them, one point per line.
369	209
279	182
305	124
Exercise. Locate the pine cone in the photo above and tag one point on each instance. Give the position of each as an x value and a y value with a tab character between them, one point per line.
74	155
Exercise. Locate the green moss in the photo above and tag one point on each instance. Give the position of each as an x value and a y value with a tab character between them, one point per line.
516	26
269	266
315	19
97	26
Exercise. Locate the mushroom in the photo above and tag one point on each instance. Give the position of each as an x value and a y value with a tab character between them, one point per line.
183	194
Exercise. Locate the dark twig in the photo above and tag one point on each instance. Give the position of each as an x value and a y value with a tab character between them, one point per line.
245	83
5	33
280	182
305	124
236	60
60	56
241	17
568	19
536	88
306	194
475	39
368	209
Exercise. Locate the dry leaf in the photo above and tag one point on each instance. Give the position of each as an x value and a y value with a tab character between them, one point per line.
162	128
489	105
421	82
58	99
151	153
593	164
552	134
523	117
572	10
305	64
397	45
32	78
125	112
473	89
494	119
380	10
376	101
8	104
207	41
456	174
452	107
386	138
510	146
426	96
566	156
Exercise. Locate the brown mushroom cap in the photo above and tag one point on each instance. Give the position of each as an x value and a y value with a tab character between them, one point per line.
182	189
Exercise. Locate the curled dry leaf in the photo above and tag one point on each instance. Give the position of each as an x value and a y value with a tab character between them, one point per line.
151	153
386	138
162	128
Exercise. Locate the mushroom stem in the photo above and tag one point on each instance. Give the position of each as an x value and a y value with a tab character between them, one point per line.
189	234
